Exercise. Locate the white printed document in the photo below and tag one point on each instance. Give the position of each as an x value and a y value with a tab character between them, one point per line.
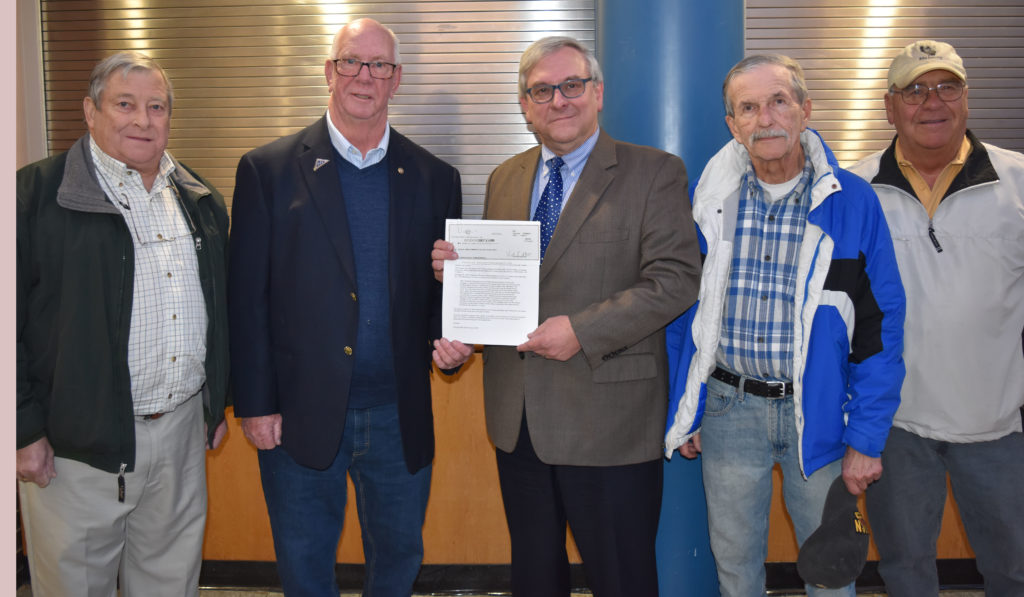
491	290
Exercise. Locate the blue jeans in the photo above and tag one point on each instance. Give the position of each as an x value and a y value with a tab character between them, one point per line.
307	509
743	436
905	510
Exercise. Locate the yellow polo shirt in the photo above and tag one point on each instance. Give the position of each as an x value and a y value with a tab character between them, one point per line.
930	196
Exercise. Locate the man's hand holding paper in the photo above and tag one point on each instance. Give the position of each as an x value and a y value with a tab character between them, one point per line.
491	289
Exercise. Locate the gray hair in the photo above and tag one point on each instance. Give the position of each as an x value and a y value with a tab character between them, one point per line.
544	47
336	44
749	63
127	63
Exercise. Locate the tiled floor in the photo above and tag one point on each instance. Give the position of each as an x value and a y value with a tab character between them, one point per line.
230	593
26	591
222	593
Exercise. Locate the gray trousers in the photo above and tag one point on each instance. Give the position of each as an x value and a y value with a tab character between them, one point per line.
905	510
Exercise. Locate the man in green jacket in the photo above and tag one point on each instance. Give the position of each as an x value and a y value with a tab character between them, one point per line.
122	348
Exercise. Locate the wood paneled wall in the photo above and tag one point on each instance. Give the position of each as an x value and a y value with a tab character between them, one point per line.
845	47
246	72
465	521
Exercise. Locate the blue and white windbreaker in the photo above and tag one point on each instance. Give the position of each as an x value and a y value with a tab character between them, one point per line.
848	329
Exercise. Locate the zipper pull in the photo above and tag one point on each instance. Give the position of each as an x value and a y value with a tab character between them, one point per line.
120	483
935	240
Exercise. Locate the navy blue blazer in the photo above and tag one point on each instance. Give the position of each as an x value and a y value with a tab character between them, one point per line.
292	297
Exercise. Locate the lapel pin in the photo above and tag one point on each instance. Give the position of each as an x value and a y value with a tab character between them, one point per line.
401	170
320	162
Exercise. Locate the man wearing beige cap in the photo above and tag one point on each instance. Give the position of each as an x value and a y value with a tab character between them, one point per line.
955	207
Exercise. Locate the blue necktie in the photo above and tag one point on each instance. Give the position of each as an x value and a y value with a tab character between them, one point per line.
550	205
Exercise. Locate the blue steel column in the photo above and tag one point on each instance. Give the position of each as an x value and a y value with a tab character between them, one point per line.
663	62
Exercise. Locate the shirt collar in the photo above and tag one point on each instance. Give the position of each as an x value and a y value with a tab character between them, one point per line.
958	159
113	170
351	153
575	159
801	188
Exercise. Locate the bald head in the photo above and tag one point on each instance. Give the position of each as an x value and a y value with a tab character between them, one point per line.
356	27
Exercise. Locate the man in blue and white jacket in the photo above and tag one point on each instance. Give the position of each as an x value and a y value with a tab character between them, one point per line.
792	354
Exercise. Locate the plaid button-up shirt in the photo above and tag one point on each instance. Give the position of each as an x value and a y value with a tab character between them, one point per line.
757	323
167	334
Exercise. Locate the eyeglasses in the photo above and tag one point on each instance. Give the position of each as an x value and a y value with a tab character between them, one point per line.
143	221
914	95
543	93
350	67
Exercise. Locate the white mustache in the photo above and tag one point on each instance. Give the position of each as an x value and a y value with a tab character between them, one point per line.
757	135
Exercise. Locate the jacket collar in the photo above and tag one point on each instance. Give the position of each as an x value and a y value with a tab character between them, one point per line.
597	174
977	169
316	164
80	190
723	175
320	175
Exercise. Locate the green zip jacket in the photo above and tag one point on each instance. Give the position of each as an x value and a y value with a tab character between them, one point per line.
76	267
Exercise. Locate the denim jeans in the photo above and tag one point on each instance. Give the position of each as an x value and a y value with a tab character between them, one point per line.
743	436
905	510
307	509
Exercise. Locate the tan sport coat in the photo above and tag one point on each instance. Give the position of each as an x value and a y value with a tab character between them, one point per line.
622	263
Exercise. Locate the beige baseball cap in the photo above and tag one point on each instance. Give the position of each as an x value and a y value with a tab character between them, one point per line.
921	57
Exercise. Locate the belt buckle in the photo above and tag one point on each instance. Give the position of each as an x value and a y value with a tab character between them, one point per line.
772	392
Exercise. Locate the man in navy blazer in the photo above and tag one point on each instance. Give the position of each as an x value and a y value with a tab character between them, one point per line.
333	310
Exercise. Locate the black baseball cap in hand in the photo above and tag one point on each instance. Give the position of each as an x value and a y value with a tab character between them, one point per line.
834	555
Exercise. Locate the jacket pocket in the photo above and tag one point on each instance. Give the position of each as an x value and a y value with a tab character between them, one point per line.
626	367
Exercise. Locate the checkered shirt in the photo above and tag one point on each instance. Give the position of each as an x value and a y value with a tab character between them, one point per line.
167	338
757	323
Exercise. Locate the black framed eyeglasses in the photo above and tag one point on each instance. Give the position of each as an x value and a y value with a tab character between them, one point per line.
350	67
917	94
570	88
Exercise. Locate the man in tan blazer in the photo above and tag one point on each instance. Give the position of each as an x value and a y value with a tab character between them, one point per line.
577	413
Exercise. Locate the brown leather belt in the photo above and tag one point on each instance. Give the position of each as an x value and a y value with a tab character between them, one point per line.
151	417
766	389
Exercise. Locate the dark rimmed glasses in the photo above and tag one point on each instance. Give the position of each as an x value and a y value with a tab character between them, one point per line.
350	67
570	88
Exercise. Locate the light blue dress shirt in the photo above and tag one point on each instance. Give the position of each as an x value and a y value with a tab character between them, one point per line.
352	154
571	169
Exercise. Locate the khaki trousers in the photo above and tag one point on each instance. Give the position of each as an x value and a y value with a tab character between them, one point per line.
81	539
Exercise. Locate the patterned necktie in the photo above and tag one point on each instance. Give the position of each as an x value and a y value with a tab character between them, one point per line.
550	205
